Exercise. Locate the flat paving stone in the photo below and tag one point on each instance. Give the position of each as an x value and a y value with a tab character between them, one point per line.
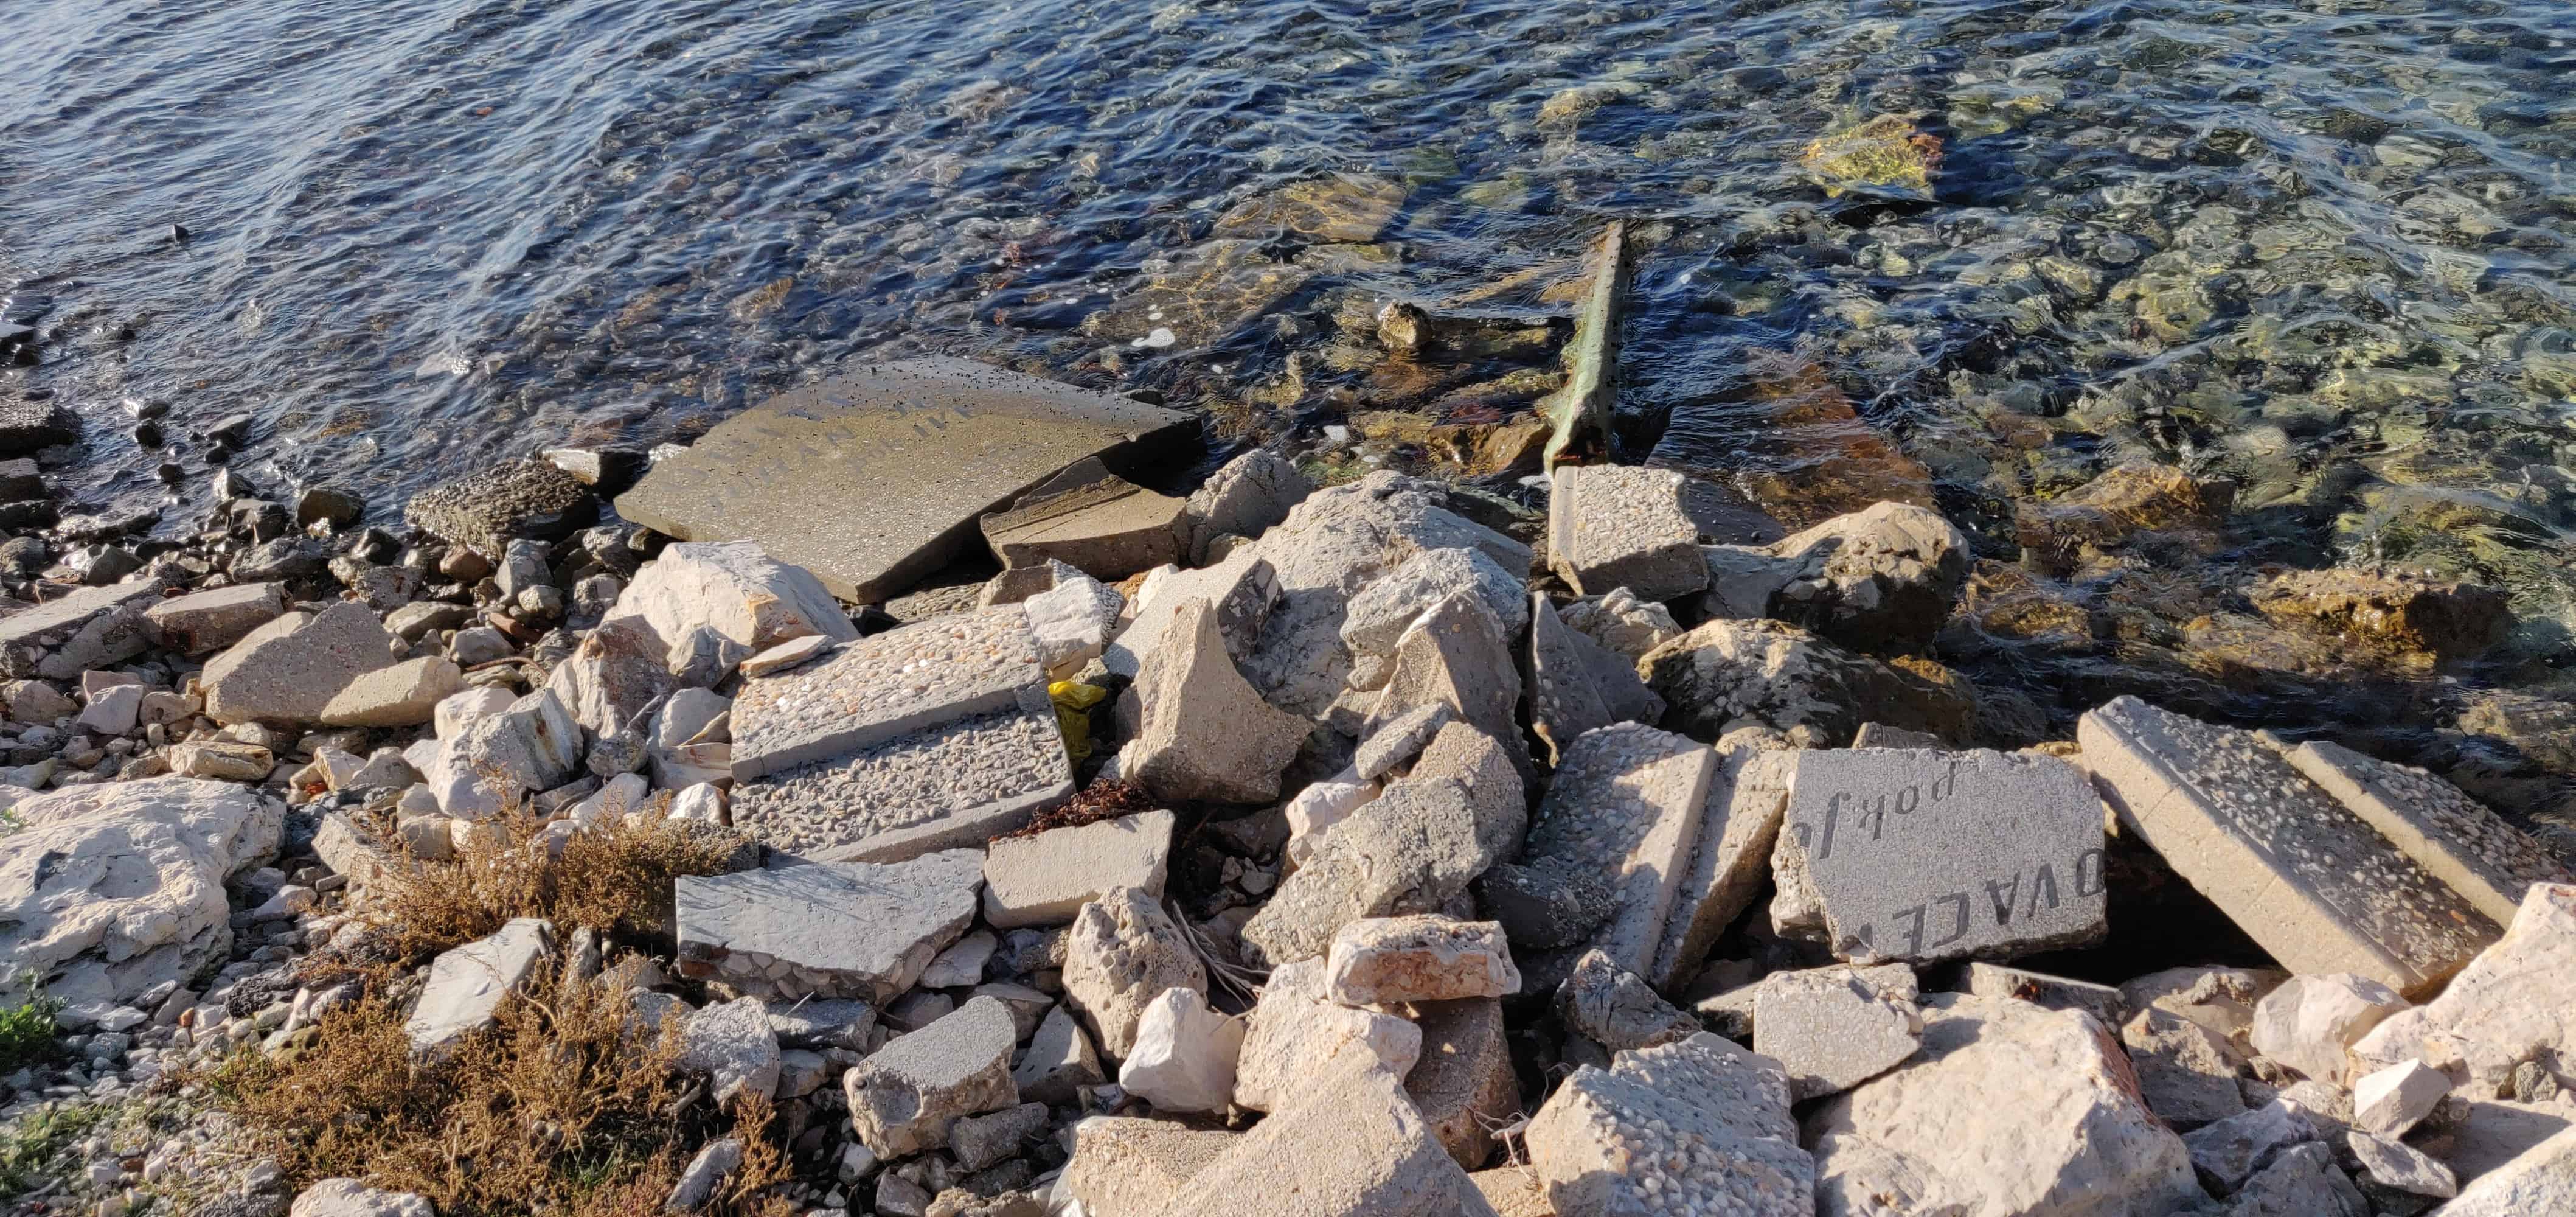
808	473
1924	855
956	785
1627	804
839	930
2488	862
2310	882
1614	526
885	687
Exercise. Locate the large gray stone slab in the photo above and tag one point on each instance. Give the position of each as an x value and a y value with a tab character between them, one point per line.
854	930
211	620
2307	880
2454	837
885	687
90	628
878	475
960	784
1627	804
1924	855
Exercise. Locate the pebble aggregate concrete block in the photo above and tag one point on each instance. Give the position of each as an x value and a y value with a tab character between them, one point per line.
1479	762
1923	855
1739	823
904	1098
1699	1126
953	786
1201	731
1046	879
2454	837
962	438
466	984
522	499
199	622
1622	526
2313	885
288	670
2514	1003
2006	1108
90	628
1627	803
1351	1145
1109	529
883	688
1577	685
850	929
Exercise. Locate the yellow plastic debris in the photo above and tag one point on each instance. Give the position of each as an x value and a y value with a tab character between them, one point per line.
1073	702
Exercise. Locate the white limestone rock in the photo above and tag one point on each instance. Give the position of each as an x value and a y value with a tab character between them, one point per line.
2309	1022
737	589
1184	1056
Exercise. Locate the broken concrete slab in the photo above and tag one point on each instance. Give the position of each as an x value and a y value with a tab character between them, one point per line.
953	786
1463	1083
207	621
1623	526
1072	622
2541	1179
1202	732
467	985
1699	1126
1351	1145
1576	685
2228	1152
966	437
2310	1023
852	930
906	1096
2392	1100
1047	878
513	500
1925	856
1458	655
1627	803
2103	1002
404	694
1615	1008
1381	613
1296	1027
1832	1030
1724	675
731	1042
1123	953
2453	837
89	628
288	670
885	687
1245	497
1748	797
1381	961
1242	587
1410	850
2308	881
1109	529
1480	762
2006	1108
1128	1165
2186	1073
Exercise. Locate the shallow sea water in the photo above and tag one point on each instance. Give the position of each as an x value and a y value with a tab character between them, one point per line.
2320	247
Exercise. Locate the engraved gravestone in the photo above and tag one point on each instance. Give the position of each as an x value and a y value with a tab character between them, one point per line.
1926	855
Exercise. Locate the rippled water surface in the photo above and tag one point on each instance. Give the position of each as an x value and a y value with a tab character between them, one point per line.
2317	247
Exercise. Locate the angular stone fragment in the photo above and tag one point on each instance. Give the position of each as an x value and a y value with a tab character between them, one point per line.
1616	1009
467	985
1391	744
965	437
1059	1062
1832	1030
732	1043
2103	1002
1455	654
89	628
795	652
2392	1100
1879	579
1923	856
1479	762
2228	1152
1242	587
2302	1181
1546	906
2311	884
1409	851
1124	951
2006	1108
1201	731
1628	802
1389	960
1379	616
1124	1165
2541	1179
1621	526
200	622
904	1098
222	759
2515	1002
1729	674
1621	623
1695	1126
1184	1055
982	1141
288	670
952	786
848	929
2310	1022
735	589
1046	879
404	694
1349	1145
2394	1164
2186	1072
2220	999
1575	685
883	688
1463	1084
531	745
1108	528
1739	825
2453	837
1244	498
1296	1027
1072	622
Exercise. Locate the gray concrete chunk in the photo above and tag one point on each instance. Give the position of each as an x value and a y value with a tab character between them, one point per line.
2311	883
1627	803
1739	823
466	985
90	628
963	438
1047	878
911	1093
199	622
2454	837
1410	850
956	785
883	688
1200	730
1700	1126
1923	856
288	670
850	930
1109	529
1622	526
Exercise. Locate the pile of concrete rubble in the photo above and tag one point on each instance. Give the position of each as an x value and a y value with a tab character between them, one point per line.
1409	858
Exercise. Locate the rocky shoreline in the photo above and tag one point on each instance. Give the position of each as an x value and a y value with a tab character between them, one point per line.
1378	843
